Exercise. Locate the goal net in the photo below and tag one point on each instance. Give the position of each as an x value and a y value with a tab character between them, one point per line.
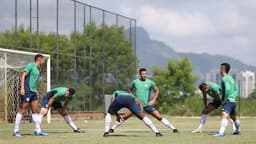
12	64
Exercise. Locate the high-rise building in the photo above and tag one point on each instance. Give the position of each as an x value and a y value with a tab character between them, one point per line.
244	79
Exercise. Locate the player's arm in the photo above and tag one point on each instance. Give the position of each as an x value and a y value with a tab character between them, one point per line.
50	102
66	103
205	99
22	82
153	100
132	87
139	103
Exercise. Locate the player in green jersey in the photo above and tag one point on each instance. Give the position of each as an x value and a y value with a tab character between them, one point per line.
214	91
123	99
142	90
229	94
29	94
54	98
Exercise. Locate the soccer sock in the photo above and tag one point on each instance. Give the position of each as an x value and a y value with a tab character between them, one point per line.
237	125
70	122
149	123
117	124
108	120
224	124
35	117
17	122
203	121
167	124
233	124
40	116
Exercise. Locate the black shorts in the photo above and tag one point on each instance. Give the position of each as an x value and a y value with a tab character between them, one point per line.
29	97
46	99
216	103
149	108
124	102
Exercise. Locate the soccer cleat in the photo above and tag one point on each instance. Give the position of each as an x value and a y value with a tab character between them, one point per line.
236	133
218	134
41	133
17	134
175	131
111	131
106	134
158	134
78	131
197	131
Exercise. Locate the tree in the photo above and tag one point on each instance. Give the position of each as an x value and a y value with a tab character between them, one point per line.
117	57
175	83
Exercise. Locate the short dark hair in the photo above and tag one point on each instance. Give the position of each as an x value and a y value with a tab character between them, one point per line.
227	66
37	56
71	91
142	69
202	85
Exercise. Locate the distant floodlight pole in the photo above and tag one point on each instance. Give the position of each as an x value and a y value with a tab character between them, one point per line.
116	52
16	25
57	40
37	24
30	23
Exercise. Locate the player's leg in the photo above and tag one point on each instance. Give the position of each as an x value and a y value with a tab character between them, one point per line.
36	118
135	109
154	112
236	121
227	108
120	120
114	107
18	118
59	108
209	108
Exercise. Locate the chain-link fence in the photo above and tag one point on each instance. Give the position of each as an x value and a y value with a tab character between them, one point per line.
92	49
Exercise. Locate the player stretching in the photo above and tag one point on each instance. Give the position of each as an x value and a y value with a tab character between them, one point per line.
142	88
29	95
53	99
121	99
229	94
214	91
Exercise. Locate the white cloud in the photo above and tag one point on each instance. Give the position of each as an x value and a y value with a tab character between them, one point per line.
174	23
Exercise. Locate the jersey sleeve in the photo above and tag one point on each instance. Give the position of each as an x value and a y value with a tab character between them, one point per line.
28	68
132	85
153	85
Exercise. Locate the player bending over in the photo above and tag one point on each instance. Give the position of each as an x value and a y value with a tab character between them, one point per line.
29	95
214	91
54	98
142	88
229	94
122	99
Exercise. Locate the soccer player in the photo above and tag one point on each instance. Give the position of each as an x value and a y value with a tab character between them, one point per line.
214	91
121	99
142	88
54	98
229	94
29	95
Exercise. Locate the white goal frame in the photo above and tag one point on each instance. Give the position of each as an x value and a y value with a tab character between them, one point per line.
5	66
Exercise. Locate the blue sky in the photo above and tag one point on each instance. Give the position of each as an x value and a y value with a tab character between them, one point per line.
224	27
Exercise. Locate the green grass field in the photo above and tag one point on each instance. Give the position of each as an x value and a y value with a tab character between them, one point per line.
132	132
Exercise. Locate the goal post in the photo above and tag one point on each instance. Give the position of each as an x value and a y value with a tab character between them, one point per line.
12	64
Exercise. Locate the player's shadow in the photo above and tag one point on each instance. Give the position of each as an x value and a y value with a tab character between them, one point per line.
27	134
122	135
210	132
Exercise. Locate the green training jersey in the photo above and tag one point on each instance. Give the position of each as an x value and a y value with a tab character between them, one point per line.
33	72
143	90
122	93
60	94
229	88
215	90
